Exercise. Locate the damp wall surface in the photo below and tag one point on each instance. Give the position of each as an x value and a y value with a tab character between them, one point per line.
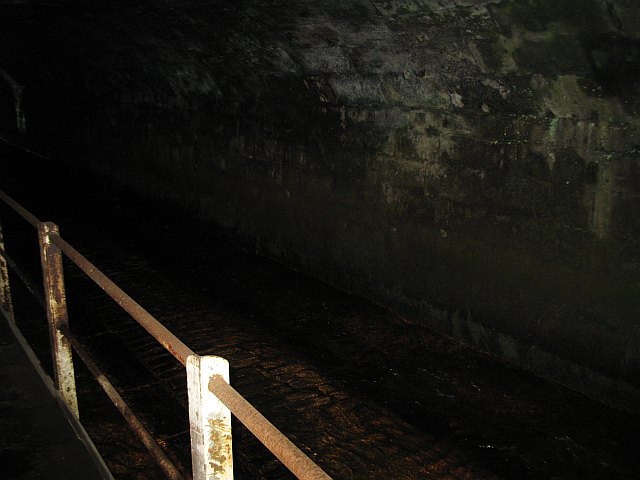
472	165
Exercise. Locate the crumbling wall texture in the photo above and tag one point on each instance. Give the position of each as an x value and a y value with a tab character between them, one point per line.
472	164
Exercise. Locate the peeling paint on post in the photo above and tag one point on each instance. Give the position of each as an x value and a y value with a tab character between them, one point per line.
5	290
210	420
56	301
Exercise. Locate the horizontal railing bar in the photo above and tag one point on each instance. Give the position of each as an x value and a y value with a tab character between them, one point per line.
291	456
33	290
143	434
168	340
20	210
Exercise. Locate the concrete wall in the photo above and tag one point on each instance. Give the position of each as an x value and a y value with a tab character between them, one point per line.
474	165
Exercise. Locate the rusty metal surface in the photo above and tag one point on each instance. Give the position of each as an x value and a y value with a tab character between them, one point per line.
158	331
5	290
143	434
51	247
277	443
176	347
20	210
57	316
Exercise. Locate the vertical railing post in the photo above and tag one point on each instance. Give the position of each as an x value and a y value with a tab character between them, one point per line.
56	301
209	419
5	290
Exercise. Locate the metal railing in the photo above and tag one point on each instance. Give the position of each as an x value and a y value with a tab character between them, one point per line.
211	398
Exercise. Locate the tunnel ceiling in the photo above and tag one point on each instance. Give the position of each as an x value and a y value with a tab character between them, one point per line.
471	55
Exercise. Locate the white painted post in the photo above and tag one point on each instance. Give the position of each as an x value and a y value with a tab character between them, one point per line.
210	420
5	290
61	350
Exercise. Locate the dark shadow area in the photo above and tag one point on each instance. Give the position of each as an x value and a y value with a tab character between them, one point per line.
367	394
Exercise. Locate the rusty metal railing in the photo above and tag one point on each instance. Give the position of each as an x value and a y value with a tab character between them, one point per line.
211	398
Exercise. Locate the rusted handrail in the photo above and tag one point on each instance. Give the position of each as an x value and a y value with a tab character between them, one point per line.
20	210
290	455
158	331
136	425
138	428
168	340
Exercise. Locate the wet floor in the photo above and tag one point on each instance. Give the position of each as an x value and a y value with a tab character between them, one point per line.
363	392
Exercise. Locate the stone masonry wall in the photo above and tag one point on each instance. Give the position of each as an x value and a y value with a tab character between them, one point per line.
473	165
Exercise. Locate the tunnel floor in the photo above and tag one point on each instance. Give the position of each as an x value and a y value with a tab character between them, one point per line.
365	393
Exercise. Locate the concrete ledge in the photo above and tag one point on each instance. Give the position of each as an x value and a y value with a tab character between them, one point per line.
40	439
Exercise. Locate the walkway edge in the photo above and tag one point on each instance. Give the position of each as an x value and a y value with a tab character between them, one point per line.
82	434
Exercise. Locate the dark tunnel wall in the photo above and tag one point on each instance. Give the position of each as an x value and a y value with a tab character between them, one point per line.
473	165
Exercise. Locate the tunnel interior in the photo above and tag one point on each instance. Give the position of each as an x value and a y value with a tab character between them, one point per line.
471	165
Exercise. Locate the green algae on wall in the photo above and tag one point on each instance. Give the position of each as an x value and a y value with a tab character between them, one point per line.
472	164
